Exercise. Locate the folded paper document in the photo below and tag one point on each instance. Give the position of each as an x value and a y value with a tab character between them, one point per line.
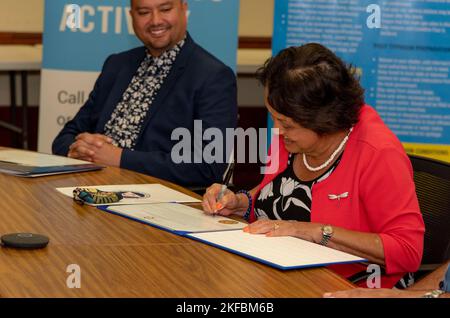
126	194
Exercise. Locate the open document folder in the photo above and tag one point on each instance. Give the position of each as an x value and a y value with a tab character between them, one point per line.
280	252
33	164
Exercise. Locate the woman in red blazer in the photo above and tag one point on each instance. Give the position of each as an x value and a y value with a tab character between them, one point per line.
339	177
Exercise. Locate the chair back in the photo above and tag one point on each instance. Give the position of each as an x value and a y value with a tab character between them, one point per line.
432	180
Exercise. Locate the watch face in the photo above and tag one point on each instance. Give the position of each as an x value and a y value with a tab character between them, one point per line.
328	230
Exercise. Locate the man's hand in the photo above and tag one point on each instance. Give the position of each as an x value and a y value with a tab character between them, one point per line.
95	148
108	155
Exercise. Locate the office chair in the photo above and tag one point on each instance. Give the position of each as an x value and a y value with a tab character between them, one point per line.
432	180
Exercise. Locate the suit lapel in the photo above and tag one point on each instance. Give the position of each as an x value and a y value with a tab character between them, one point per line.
124	78
170	81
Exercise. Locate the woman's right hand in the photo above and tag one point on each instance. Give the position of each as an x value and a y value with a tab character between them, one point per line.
226	206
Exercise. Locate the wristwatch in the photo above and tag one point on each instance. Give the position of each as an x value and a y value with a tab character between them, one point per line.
434	294
327	233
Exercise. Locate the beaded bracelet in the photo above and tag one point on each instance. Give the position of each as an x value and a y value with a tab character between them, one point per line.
247	213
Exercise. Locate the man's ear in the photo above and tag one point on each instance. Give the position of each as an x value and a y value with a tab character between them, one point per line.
185	5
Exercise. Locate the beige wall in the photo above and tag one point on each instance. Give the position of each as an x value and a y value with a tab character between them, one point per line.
21	15
256	16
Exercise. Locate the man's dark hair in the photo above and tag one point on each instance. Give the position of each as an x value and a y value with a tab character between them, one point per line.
314	87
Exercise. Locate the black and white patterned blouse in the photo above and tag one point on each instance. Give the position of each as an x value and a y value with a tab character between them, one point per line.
287	197
127	119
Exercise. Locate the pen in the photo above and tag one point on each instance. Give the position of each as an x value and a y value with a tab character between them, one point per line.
224	187
222	192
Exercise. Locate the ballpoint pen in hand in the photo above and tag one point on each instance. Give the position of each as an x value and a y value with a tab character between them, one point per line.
224	187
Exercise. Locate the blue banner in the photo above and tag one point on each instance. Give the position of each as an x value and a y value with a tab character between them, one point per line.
105	27
79	36
402	51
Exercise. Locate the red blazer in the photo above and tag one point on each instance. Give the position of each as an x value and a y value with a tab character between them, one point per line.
377	174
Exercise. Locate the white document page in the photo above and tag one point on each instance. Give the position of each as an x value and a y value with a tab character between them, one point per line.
138	193
36	159
177	217
284	252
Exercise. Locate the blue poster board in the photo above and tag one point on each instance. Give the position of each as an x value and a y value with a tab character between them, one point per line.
401	50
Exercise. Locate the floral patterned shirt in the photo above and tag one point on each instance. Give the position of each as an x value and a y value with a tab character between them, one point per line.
287	197
127	119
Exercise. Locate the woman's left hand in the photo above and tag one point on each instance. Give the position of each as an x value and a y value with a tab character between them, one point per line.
305	230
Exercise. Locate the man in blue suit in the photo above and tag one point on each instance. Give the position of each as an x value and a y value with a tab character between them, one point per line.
144	94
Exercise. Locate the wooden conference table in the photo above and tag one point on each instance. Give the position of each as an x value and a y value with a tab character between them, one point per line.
122	258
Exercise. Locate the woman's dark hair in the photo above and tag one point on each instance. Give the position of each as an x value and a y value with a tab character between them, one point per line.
314	87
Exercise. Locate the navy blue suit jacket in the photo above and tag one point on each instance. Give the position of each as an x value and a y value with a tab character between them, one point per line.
198	87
